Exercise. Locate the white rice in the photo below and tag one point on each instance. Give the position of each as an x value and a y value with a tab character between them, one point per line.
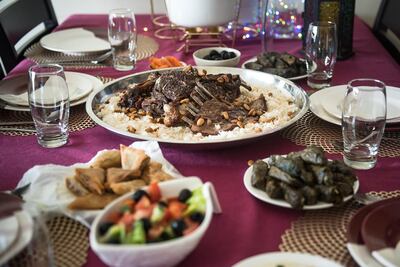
281	108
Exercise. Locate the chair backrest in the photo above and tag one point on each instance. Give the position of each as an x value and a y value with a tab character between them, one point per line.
387	26
22	22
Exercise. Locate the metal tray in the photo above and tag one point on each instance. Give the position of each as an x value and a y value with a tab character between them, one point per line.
251	77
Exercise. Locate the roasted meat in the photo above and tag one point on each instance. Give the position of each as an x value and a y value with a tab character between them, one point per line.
207	103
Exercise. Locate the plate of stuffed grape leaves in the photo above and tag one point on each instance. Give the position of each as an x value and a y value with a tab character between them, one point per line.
301	180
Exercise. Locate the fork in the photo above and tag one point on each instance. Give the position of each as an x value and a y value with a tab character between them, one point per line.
9	123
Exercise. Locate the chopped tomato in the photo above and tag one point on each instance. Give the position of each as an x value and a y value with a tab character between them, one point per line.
155	232
129	202
176	209
127	219
143	203
154	192
113	217
190	226
143	213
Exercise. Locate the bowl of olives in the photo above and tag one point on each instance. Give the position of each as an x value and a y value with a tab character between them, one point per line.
217	56
158	225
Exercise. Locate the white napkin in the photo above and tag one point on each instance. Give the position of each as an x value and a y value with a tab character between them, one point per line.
49	192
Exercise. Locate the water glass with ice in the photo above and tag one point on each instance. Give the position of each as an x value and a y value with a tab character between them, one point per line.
49	104
363	122
321	52
122	36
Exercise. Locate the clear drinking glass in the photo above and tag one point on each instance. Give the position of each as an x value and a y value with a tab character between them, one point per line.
122	37
321	51
363	122
49	103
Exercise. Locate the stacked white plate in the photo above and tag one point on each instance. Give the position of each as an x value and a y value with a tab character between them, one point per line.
16	232
74	41
327	104
80	85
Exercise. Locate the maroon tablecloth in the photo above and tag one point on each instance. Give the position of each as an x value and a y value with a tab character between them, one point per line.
247	226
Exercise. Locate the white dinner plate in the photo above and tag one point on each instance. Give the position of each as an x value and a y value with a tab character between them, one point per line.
317	108
286	259
262	195
25	233
74	41
8	232
332	98
79	85
81	93
254	59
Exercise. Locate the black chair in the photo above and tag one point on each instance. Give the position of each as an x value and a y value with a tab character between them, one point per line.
22	22
387	27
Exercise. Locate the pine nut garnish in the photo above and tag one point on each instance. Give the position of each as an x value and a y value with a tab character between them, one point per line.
225	115
240	124
246	107
131	129
200	122
185	100
252	112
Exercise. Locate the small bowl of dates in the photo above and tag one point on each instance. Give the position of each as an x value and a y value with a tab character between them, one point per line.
217	56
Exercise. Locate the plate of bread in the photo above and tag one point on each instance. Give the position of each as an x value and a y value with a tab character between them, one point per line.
83	189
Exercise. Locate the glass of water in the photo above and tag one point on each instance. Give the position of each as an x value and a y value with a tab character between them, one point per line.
49	103
321	51
363	122
122	36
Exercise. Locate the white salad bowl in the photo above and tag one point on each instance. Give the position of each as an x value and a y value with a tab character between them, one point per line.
165	253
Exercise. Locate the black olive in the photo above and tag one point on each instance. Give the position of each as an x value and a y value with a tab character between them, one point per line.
178	226
232	55
164	236
114	240
162	203
184	195
207	57
197	217
214	53
103	227
138	195
146	224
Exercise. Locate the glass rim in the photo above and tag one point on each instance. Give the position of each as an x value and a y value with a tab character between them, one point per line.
376	81
323	24
120	10
57	68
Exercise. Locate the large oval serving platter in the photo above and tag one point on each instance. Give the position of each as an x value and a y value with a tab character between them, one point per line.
251	77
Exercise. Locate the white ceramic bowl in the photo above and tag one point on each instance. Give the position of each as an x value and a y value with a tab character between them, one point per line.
199	55
167	253
200	13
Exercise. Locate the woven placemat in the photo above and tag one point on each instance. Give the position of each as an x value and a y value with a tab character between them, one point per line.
78	121
146	47
311	130
323	232
70	244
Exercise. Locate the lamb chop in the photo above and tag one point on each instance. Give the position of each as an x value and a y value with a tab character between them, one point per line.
207	103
